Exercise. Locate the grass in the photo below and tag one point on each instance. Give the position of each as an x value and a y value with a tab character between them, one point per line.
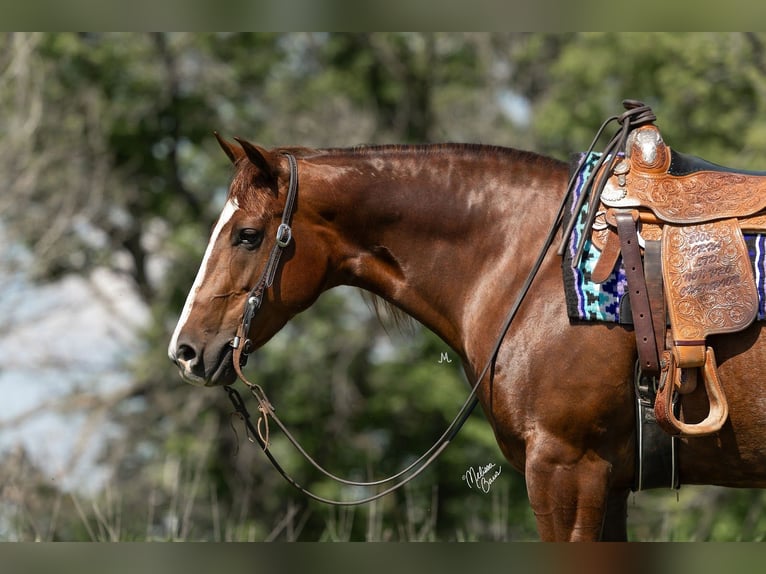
189	510
184	506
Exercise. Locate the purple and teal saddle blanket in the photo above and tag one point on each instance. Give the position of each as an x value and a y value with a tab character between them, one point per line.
589	301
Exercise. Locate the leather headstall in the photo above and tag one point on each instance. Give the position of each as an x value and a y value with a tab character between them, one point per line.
241	343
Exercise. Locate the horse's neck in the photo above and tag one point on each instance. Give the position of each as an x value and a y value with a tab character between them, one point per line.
443	236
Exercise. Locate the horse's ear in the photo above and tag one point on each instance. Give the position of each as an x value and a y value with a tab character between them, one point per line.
259	157
229	149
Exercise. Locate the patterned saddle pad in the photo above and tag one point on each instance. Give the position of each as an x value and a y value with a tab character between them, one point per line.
589	301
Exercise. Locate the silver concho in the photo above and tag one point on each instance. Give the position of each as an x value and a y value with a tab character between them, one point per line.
613	193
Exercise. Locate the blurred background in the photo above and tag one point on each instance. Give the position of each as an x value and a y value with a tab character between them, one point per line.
111	182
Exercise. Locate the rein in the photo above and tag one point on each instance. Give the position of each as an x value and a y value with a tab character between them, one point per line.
259	431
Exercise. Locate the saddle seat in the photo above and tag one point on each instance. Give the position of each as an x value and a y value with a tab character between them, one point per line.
685	164
678	220
680	188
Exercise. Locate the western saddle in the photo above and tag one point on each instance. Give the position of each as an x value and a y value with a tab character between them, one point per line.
678	222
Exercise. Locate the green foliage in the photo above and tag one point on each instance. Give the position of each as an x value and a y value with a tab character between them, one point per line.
706	88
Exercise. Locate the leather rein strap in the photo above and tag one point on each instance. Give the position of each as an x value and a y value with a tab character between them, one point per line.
636	114
259	431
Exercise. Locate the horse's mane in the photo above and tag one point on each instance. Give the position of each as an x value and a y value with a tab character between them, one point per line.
388	315
418	149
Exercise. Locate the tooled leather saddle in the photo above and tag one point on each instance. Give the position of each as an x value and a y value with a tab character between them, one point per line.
678	222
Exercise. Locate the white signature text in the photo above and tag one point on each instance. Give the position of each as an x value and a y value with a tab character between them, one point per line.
480	477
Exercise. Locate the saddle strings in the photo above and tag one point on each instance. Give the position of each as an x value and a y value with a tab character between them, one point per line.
637	114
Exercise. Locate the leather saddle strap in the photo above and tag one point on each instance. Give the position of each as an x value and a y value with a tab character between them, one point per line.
655	289
608	258
646	342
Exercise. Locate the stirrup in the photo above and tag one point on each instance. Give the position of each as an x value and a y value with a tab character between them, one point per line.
670	382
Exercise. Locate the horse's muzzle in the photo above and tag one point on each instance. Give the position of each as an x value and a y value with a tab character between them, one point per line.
194	369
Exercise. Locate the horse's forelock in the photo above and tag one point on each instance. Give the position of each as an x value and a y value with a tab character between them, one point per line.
247	188
251	186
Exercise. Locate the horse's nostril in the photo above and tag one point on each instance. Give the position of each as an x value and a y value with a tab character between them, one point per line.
190	362
186	354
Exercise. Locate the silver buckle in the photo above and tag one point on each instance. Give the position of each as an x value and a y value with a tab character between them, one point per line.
284	235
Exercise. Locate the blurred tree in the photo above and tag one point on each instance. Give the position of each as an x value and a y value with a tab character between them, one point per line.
706	88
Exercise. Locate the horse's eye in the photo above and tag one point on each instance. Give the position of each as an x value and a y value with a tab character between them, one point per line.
250	238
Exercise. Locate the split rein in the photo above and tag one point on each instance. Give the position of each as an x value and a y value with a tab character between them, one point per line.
260	432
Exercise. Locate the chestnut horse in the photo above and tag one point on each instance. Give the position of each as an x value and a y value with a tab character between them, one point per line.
448	234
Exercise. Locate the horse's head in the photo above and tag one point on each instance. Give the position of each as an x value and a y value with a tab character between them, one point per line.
235	277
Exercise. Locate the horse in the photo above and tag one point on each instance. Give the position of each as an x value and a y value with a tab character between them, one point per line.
447	233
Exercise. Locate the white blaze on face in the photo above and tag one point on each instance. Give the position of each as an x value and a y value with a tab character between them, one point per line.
228	211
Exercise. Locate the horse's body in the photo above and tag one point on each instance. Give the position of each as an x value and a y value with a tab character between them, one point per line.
448	234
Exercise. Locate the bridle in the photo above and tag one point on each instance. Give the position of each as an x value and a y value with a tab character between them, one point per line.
242	345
